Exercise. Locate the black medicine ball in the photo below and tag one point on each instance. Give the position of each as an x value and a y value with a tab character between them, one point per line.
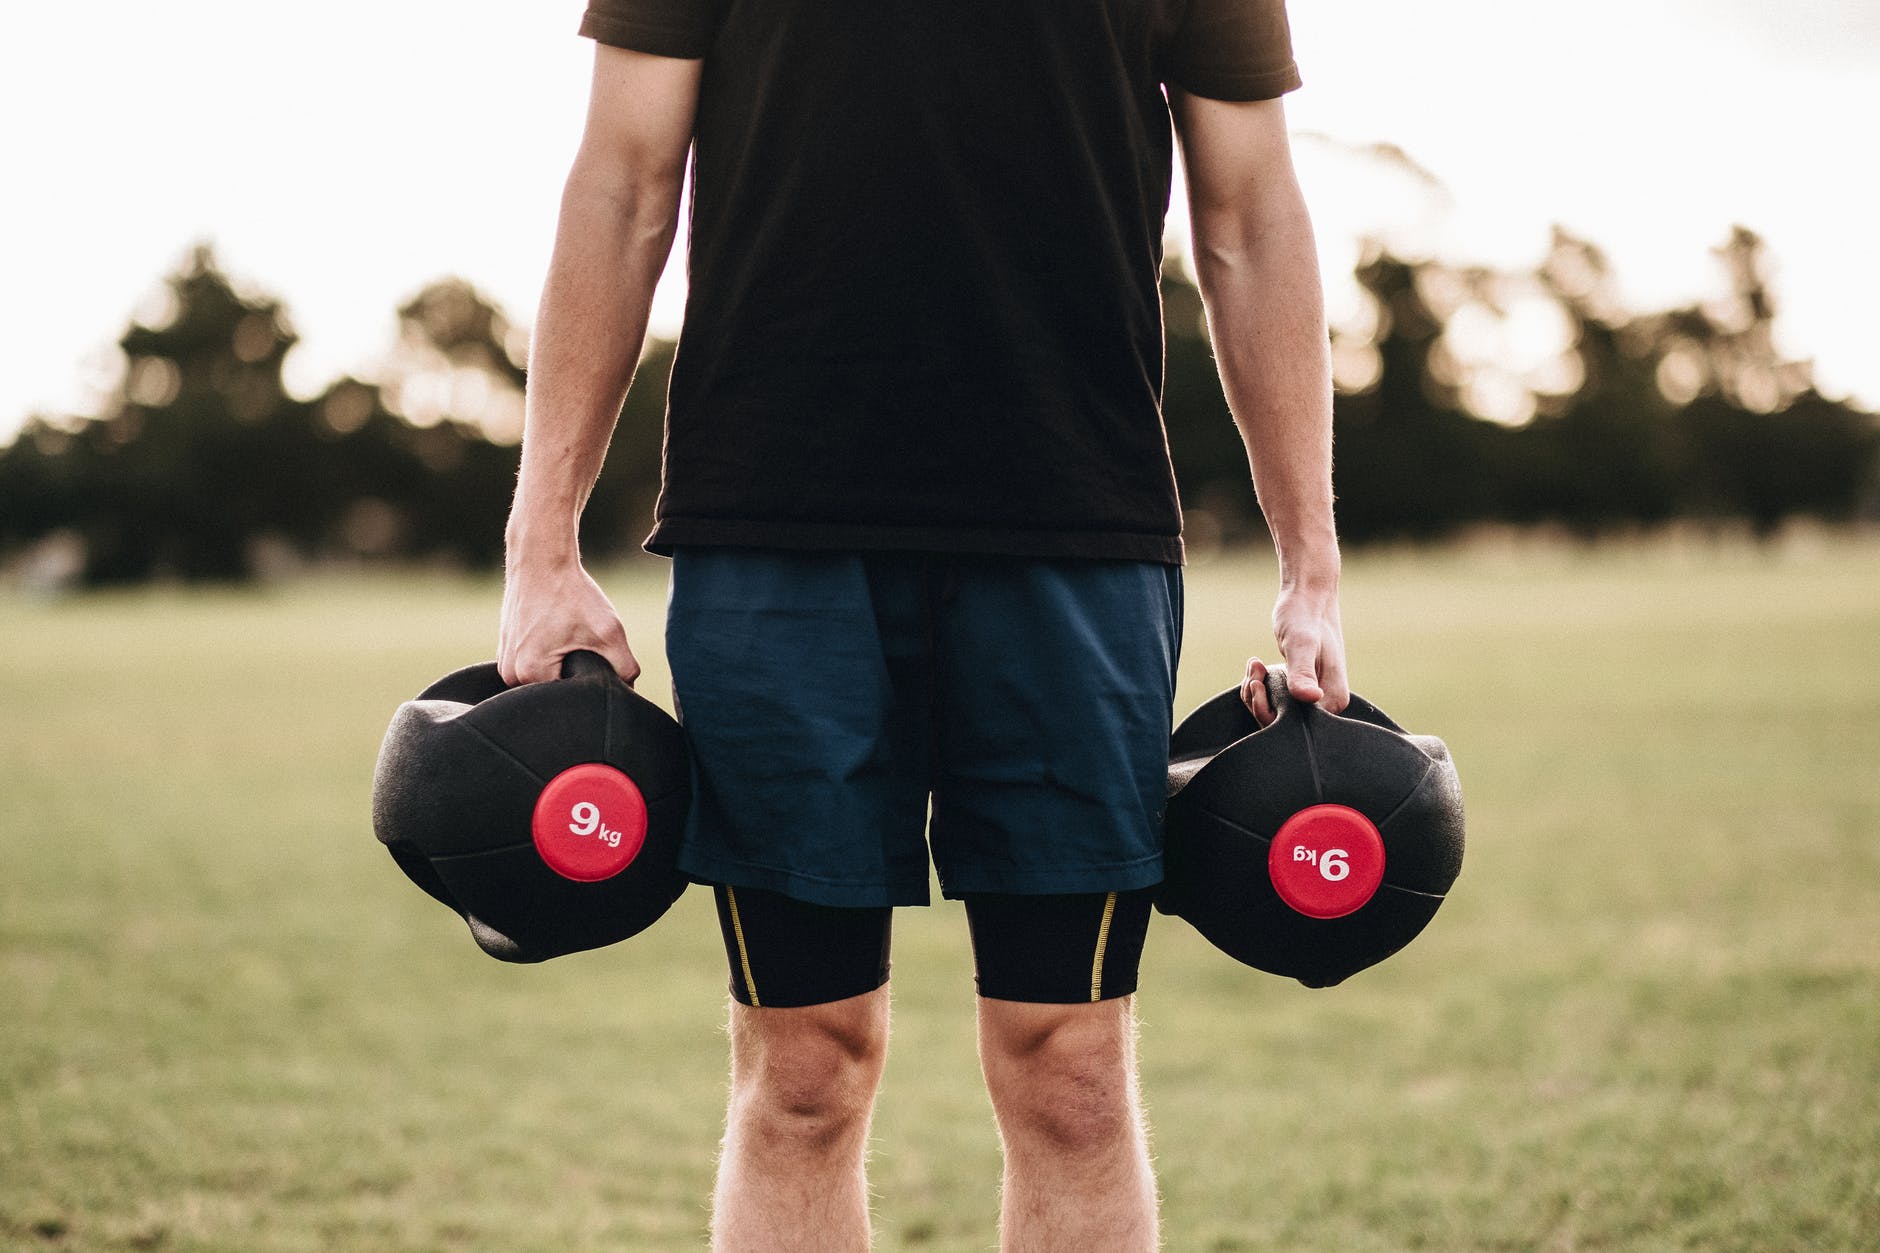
1312	848
548	815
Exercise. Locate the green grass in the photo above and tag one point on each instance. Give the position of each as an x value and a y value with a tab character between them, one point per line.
1648	1018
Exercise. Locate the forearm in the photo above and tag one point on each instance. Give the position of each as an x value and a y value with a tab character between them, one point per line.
611	244
1259	277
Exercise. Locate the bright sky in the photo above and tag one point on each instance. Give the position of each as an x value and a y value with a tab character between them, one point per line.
340	155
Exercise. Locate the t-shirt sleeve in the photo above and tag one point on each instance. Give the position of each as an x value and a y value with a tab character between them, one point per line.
667	28
1232	50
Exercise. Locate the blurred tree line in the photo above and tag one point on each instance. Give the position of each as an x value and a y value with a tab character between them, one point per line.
1465	396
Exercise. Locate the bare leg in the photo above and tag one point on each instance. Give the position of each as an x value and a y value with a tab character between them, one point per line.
791	1175
1063	1085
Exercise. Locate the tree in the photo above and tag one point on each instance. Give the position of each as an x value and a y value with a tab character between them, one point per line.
201	465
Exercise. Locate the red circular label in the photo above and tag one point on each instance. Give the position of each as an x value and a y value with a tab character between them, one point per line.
590	822
1326	861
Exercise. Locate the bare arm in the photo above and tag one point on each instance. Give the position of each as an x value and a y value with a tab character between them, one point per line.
619	213
1259	276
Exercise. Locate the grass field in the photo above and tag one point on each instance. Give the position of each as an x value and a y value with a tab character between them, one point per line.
1648	1017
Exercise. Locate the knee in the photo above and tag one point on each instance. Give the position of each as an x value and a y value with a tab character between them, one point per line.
805	1079
1062	1078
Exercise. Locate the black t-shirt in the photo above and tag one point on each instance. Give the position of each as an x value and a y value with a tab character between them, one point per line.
926	240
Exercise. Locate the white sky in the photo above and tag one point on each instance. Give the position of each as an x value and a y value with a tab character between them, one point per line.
340	155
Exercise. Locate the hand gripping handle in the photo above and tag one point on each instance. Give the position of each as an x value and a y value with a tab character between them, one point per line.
1278	691
584	663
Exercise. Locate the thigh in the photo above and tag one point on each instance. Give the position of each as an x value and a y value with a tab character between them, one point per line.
1058	949
1054	703
785	953
800	681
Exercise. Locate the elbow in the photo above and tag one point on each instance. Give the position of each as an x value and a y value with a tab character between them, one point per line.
1252	242
1232	236
1217	260
643	202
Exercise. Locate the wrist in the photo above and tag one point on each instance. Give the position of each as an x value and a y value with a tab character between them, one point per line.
1310	566
540	543
538	519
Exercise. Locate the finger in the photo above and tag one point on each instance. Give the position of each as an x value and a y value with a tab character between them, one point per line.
1302	671
1253	696
537	667
610	641
1332	677
1253	692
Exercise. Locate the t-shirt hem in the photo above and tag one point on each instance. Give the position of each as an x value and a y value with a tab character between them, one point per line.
671	533
1265	85
640	35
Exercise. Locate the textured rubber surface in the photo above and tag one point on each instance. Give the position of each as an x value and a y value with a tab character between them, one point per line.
1234	786
455	797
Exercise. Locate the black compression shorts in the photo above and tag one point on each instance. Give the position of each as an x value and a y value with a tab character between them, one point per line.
1044	949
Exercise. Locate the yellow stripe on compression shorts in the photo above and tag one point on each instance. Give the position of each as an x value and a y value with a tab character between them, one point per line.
744	956
1103	938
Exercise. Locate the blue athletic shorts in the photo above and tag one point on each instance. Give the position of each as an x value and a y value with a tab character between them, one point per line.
845	710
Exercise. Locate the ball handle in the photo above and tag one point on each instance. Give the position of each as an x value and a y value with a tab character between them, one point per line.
1278	691
585	663
1357	709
